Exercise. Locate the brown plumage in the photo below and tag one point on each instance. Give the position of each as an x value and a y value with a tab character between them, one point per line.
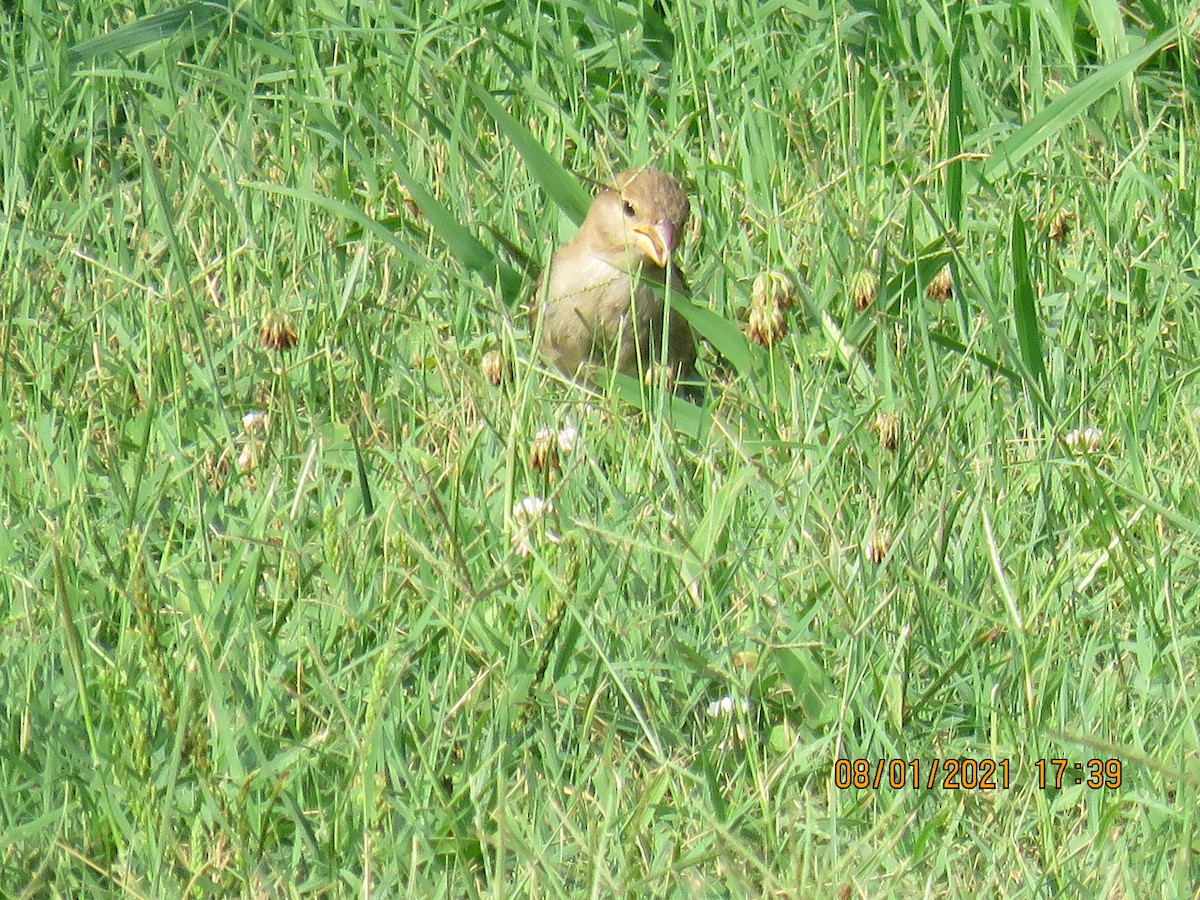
602	299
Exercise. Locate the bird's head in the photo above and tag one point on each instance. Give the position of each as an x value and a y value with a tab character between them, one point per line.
643	214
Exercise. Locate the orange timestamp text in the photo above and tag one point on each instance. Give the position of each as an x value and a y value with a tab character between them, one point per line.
971	774
943	774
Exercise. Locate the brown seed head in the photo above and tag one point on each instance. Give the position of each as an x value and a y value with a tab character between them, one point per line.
1061	227
543	452
278	332
879	543
941	285
495	368
887	426
774	289
766	325
863	288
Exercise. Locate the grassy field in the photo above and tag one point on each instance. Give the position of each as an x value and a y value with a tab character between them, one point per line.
295	601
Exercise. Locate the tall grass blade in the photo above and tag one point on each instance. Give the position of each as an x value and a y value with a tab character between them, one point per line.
1029	331
1110	28
954	124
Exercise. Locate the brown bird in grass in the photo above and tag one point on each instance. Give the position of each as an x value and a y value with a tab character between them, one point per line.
603	299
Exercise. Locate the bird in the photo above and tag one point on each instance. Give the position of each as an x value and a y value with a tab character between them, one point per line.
602	300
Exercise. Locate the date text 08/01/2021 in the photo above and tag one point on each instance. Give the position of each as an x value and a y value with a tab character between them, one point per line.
971	774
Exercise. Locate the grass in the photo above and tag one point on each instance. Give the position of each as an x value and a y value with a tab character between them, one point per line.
303	655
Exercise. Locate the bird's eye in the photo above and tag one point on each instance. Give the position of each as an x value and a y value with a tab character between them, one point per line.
629	210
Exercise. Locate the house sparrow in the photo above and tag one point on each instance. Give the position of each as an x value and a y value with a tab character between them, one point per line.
602	299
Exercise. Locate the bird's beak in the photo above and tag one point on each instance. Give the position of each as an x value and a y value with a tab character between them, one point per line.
658	240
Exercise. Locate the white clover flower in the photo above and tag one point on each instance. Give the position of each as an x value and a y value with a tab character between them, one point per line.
527	515
724	709
529	509
1086	440
566	438
725	706
253	420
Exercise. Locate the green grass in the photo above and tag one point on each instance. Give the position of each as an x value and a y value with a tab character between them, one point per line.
307	658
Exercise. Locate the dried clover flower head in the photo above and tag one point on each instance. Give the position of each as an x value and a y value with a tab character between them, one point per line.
766	325
250	455
770	298
548	447
495	368
543	452
774	288
254	420
941	285
278	332
863	288
879	543
887	426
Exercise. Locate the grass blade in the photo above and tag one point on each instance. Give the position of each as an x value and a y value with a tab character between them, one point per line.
954	129
1029	332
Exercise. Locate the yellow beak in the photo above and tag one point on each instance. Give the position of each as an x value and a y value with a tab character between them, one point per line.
657	240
